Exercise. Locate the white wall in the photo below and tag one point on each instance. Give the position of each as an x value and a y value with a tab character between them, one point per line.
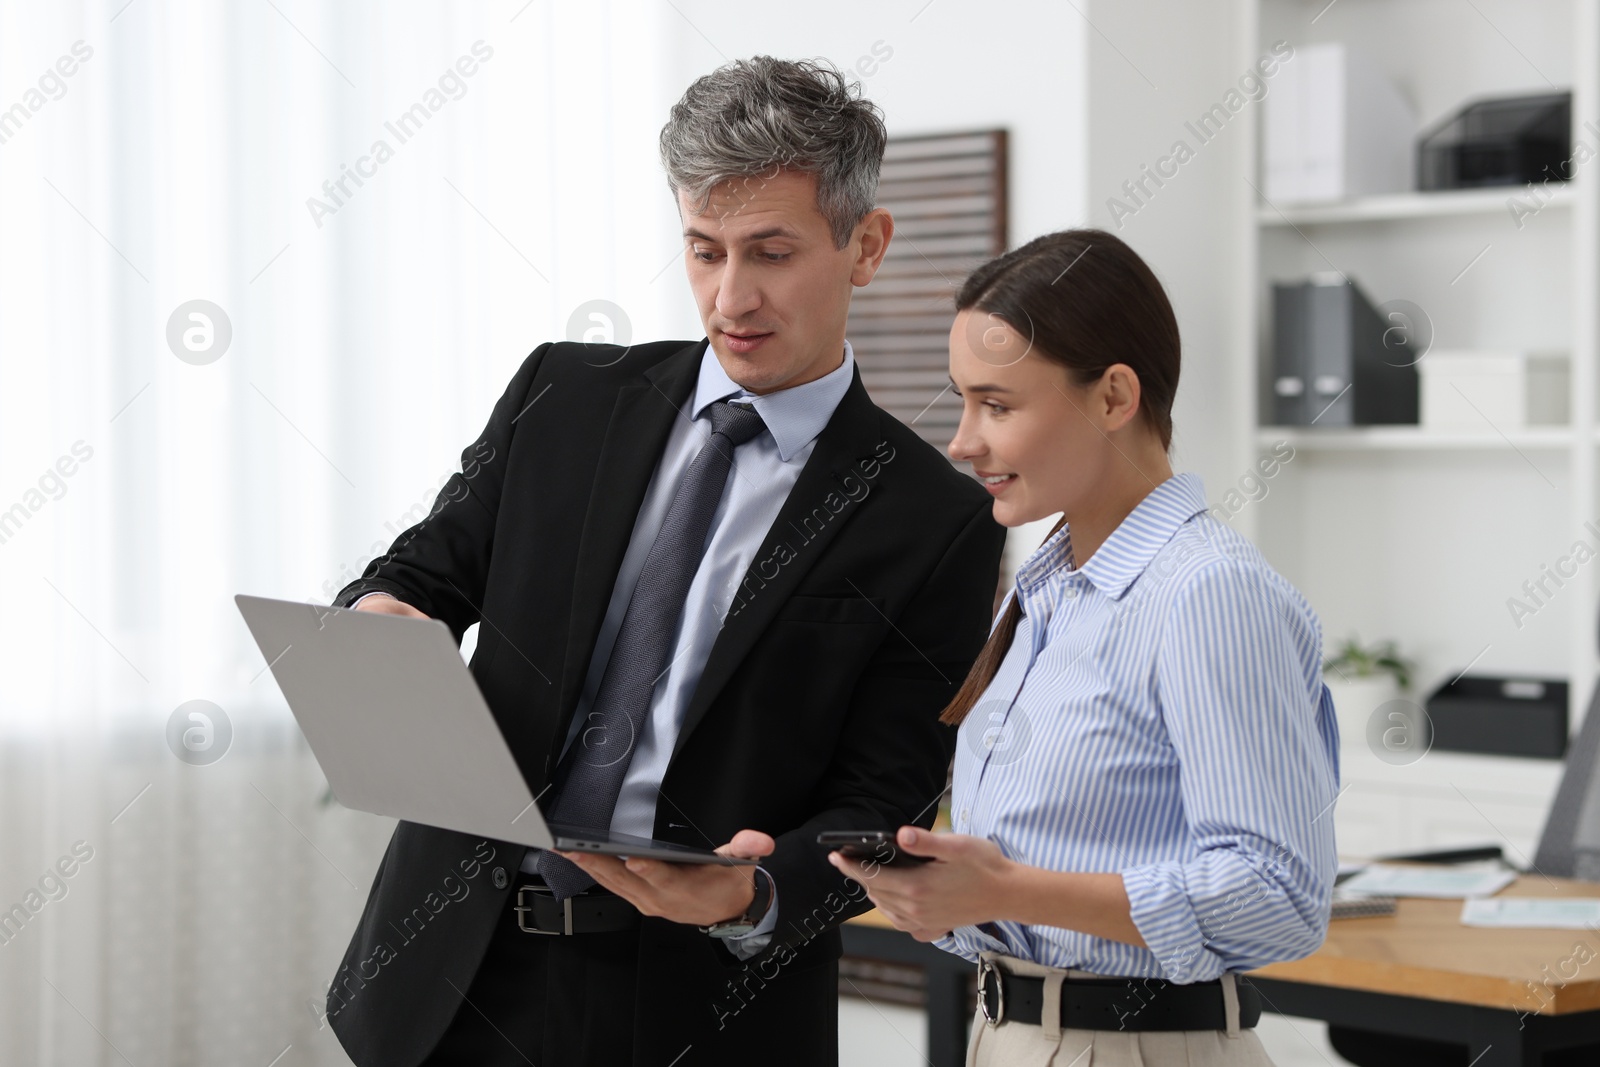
1153	67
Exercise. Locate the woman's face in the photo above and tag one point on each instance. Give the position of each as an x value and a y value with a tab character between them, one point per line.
1040	443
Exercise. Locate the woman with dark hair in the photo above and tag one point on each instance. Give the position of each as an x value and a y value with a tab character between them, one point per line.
1147	757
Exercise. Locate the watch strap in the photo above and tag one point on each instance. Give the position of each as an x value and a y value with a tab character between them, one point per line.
741	925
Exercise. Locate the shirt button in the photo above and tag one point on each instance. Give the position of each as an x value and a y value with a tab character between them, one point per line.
964	819
498	877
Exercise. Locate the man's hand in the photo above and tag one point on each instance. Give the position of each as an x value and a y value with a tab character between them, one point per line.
701	894
384	604
964	885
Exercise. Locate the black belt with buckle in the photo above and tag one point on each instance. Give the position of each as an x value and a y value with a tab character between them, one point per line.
1114	1003
539	912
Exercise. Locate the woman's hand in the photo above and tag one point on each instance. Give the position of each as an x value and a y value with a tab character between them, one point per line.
966	883
970	881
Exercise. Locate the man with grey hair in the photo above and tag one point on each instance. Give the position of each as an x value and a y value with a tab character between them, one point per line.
724	598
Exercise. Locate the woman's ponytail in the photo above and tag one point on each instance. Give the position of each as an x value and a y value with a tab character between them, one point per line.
989	660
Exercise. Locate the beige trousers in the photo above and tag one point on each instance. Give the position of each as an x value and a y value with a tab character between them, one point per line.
1013	1044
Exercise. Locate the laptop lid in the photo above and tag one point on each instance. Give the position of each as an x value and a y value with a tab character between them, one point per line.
400	727
394	718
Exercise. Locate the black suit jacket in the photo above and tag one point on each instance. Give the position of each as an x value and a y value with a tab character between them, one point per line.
861	614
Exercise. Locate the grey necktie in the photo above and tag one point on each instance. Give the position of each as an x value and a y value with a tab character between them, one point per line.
589	777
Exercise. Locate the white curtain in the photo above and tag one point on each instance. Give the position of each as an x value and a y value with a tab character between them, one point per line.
153	153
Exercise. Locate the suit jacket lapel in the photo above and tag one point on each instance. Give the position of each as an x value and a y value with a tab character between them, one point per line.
789	549
641	421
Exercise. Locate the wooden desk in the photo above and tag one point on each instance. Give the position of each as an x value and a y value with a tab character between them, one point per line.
1510	995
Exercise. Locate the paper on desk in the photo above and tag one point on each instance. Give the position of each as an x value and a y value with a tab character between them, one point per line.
1395	881
1569	913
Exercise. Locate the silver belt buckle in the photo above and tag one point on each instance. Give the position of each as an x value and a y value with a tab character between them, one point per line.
522	909
986	971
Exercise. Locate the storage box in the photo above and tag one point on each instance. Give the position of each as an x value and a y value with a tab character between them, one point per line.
1500	716
1478	390
1336	128
1508	141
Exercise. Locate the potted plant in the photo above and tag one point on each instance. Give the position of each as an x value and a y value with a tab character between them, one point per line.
1362	678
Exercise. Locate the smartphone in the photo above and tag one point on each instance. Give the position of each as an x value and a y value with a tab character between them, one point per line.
863	845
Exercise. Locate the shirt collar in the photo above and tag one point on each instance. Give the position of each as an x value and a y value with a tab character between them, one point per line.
795	416
1131	546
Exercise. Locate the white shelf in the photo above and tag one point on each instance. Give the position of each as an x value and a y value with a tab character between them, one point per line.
1415	245
1402	206
1411	439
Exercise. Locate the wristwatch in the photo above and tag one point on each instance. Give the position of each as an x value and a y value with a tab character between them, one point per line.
744	924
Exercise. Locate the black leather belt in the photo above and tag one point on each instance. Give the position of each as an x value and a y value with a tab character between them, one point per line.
1114	1003
539	912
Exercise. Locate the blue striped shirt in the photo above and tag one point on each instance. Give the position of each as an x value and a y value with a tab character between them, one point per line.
1161	714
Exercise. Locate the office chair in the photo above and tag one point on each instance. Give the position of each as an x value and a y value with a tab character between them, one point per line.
1569	847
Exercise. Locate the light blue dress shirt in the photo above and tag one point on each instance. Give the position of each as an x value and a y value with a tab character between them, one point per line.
765	469
1161	714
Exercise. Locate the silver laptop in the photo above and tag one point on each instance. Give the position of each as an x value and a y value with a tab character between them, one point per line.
400	727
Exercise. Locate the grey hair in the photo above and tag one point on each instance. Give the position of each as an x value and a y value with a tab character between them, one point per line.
751	117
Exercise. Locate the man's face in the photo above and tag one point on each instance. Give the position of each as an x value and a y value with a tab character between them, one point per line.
772	290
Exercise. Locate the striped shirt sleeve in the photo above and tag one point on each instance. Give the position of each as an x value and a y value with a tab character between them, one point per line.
1255	782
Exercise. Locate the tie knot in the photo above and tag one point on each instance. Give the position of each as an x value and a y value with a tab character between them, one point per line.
737	422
